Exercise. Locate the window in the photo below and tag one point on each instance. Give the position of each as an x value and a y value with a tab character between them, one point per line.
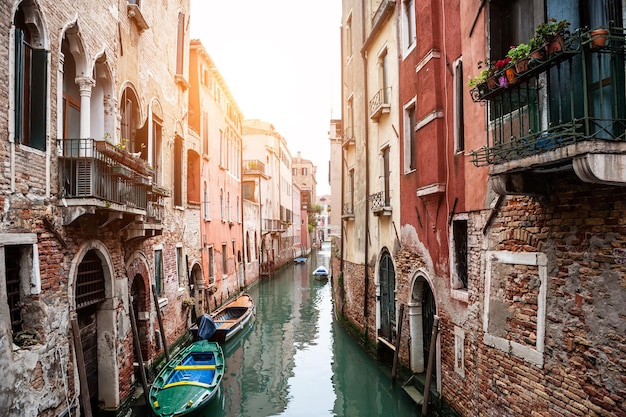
459	243
180	265
228	206
31	68
206	206
459	139
238	211
222	205
222	149
511	23
180	44
178	171
224	260
408	24
22	283
383	73
349	37
205	133
410	157
351	192
385	176
210	266
158	271
304	171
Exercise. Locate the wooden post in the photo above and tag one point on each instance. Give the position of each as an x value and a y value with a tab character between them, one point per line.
431	359
82	372
142	370
396	352
161	328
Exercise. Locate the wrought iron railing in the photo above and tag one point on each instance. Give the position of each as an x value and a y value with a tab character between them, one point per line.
379	201
348	209
87	172
252	166
566	97
272	225
380	102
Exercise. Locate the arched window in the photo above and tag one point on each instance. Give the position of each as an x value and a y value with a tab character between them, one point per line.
30	85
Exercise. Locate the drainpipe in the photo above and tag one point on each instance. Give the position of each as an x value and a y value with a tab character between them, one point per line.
341	228
367	180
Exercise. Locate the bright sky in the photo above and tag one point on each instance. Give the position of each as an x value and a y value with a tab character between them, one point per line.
281	61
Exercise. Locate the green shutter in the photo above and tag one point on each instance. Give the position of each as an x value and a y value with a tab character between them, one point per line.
39	103
19	84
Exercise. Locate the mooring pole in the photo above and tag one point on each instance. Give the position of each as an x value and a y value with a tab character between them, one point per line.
431	359
142	370
160	319
82	372
394	369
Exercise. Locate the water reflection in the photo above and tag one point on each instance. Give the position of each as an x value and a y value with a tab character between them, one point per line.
295	360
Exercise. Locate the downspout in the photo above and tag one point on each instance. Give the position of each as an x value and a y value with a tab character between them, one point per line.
367	180
341	228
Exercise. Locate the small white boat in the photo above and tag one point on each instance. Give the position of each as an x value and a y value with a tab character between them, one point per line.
321	271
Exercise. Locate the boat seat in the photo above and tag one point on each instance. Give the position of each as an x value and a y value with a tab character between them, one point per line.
194	367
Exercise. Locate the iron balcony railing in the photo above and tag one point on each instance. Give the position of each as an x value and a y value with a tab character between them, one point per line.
347	210
569	96
348	137
253	166
379	104
88	171
379	201
272	225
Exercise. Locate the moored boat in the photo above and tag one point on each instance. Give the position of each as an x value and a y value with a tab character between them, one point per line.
226	321
189	381
320	273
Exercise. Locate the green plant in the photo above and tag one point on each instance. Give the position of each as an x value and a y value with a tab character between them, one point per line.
546	31
487	69
519	52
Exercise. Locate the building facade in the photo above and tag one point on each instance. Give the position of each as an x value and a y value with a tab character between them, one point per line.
95	212
217	120
507	269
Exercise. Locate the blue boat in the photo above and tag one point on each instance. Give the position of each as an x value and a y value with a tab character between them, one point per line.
300	260
188	381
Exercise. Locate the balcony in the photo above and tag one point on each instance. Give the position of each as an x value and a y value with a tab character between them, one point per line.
379	104
380	204
253	167
347	211
568	110
348	138
97	178
273	226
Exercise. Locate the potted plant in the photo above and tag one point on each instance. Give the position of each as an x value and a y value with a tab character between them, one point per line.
520	56
552	34
484	80
508	77
598	37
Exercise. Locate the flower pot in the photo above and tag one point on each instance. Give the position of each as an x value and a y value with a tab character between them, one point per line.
598	38
555	44
521	66
538	54
510	75
492	83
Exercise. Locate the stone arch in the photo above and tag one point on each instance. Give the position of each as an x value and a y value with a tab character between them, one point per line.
35	22
139	287
106	319
71	33
422	306
131	114
386	305
103	101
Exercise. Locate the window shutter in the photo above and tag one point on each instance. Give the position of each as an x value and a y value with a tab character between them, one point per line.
38	84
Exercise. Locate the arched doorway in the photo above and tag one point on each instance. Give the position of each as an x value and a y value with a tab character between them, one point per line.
89	294
422	310
387	284
138	296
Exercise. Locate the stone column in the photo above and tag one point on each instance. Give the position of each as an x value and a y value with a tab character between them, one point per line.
85	84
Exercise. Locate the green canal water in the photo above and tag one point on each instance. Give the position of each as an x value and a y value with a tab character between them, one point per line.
296	360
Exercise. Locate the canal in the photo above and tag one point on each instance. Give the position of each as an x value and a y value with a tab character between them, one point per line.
296	360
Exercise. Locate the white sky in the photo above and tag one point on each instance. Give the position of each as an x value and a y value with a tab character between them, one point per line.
281	62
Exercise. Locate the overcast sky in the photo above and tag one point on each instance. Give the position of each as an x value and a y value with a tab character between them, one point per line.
281	61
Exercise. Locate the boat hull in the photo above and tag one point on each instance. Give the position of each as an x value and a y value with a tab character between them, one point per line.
189	381
232	317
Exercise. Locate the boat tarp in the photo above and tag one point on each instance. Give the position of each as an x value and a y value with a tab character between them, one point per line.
206	327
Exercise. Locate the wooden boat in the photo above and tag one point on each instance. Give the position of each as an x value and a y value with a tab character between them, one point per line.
321	271
232	317
189	381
